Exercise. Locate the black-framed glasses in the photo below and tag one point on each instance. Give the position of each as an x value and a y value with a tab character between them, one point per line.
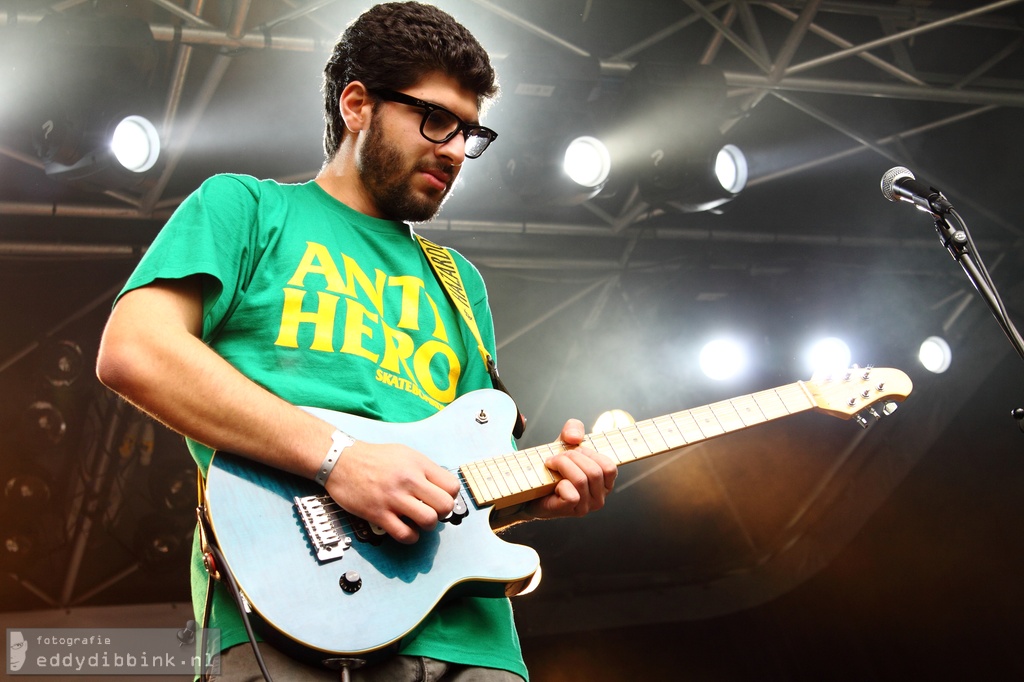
440	125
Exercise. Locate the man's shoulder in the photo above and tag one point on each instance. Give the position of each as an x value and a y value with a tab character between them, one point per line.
240	182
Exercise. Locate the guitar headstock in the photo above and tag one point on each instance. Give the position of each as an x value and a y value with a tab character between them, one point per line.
848	393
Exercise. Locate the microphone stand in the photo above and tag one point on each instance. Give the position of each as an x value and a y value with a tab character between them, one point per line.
958	242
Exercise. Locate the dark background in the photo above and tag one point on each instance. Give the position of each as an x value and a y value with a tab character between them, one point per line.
803	549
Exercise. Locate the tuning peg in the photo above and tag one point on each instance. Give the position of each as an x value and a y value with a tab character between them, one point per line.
861	420
889	407
874	413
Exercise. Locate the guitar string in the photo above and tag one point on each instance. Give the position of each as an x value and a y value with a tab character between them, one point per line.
338	515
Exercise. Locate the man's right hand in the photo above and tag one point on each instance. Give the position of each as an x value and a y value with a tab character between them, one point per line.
394	487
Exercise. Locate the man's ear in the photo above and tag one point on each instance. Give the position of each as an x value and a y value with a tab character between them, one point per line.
356	106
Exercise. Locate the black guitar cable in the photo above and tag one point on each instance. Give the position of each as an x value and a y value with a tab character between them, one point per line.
210	545
236	594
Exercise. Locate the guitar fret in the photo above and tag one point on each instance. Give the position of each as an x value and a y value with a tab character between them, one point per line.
529	471
747	410
478	483
726	416
635	441
620	446
688	427
771	404
512	475
538	465
794	397
494	467
669	432
706	421
494	484
598	442
655	443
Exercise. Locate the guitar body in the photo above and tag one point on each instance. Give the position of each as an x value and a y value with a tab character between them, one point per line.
260	532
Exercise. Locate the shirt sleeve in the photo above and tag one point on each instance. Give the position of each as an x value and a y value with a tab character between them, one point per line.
212	234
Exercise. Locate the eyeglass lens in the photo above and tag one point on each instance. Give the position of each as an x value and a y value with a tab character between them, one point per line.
440	125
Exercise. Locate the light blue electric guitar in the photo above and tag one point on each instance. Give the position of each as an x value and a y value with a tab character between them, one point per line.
334	584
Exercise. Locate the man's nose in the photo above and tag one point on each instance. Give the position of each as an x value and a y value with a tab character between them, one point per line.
454	149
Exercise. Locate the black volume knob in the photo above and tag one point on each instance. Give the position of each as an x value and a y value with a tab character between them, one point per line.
350	582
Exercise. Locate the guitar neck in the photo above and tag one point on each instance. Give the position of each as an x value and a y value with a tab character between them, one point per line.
522	476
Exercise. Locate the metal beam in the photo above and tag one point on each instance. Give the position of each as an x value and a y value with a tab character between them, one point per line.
442	227
866	89
880	42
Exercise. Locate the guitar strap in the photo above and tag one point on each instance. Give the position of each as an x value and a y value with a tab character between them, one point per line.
447	273
211	568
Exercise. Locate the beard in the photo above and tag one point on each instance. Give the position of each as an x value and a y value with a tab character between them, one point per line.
381	167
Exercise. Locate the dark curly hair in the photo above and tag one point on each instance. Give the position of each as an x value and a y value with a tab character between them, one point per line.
392	46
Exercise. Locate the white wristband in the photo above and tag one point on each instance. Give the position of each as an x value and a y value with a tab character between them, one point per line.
339	441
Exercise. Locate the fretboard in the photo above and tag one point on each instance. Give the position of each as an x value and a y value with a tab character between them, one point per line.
522	476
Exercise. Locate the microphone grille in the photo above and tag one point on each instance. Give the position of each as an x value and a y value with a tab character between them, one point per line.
890	177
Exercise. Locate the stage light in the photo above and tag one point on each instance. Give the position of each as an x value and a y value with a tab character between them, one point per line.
43	425
723	359
27	492
159	540
701	176
557	157
671	120
560	166
19	545
96	78
62	362
173	489
829	356
136	144
612	420
587	162
115	154
935	354
731	169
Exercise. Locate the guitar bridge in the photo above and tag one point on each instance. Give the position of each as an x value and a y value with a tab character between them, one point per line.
322	528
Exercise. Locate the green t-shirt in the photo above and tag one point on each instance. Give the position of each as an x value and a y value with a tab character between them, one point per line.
327	307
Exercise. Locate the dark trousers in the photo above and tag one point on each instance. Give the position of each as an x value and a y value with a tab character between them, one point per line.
238	664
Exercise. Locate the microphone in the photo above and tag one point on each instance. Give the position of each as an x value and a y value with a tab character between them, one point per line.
899	184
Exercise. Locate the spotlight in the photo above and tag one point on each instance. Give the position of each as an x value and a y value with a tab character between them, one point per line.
731	169
673	116
26	492
551	95
62	363
828	356
117	157
136	144
722	359
587	162
159	540
43	424
96	73
935	354
18	546
612	420
174	489
700	176
561	167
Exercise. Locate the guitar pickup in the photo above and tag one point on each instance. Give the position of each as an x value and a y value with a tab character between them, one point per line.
323	529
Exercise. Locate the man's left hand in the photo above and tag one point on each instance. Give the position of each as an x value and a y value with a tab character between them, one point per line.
586	478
